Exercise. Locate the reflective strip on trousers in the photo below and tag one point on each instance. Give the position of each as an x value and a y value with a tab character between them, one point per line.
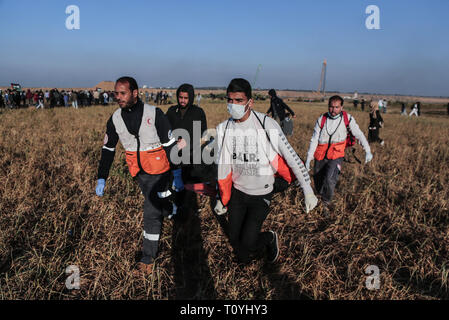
110	149
151	237
164	194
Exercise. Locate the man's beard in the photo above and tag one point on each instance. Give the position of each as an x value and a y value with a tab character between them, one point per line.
129	103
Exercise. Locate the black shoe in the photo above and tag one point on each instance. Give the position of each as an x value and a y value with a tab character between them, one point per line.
273	248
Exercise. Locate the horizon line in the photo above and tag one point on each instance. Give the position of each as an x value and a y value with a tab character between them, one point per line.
2	87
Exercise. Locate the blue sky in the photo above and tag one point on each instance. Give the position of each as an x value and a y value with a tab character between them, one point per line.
207	43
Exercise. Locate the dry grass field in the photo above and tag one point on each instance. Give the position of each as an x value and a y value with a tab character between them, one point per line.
392	213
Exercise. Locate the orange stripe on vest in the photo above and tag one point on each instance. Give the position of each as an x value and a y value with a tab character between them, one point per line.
225	187
152	161
282	169
336	150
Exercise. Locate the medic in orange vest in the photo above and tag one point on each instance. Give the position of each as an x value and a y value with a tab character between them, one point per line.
328	145
145	133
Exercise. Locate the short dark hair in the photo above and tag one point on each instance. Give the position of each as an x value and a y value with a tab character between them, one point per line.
272	92
131	82
333	98
240	85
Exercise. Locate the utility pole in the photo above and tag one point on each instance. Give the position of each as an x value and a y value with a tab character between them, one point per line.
259	67
322	87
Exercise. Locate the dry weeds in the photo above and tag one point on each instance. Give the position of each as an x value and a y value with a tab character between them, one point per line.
392	213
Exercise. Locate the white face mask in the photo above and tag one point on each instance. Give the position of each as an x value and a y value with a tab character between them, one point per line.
237	111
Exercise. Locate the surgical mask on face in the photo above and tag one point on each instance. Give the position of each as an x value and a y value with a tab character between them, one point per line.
237	111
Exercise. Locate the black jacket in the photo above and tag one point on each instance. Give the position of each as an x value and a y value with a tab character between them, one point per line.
178	121
183	118
375	122
277	108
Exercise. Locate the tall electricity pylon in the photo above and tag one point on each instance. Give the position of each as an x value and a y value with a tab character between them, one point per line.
259	67
322	87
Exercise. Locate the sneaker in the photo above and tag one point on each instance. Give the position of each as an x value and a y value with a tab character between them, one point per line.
273	248
143	269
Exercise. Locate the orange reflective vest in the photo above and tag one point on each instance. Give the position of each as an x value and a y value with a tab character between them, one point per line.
144	151
336	149
330	151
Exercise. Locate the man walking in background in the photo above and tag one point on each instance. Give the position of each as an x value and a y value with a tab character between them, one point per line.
105	98
40	99
414	110
403	109
380	104
362	104
277	109
96	97
74	99
66	98
145	134
2	102
29	97
328	145
7	103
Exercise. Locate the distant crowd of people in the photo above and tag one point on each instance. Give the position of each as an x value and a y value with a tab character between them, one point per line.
382	106
160	97
15	99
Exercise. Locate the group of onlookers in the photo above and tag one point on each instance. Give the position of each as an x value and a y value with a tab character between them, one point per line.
382	106
160	97
15	99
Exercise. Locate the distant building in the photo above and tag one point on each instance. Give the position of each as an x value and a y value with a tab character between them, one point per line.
105	86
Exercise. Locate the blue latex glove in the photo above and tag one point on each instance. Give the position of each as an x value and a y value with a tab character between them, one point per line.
100	187
177	180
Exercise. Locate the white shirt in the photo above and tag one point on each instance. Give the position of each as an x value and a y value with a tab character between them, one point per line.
249	154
